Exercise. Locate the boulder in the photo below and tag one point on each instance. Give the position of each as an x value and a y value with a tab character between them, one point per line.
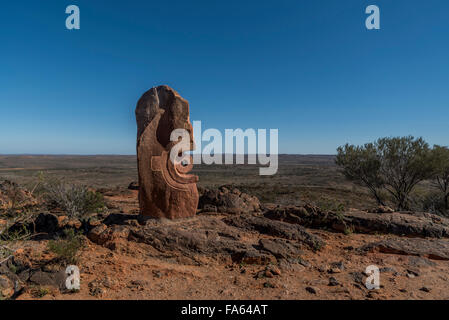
203	236
54	279
276	229
415	224
109	237
437	249
210	236
6	287
280	248
252	257
47	223
227	200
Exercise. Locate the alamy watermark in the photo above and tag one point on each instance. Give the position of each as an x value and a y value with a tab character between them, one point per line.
372	282
238	144
73	20
373	20
72	281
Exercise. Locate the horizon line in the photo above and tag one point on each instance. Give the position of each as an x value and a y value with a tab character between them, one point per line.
118	154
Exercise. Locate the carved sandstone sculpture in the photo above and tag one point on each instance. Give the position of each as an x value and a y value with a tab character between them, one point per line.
166	190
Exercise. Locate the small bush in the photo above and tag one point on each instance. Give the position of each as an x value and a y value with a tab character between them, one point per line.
20	233
348	231
317	245
39	292
76	200
331	205
13	198
432	202
67	249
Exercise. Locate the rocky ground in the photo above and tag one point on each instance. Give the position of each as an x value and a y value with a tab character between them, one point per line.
235	248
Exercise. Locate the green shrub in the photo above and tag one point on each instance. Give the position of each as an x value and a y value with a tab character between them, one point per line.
441	160
348	231
395	165
67	249
39	292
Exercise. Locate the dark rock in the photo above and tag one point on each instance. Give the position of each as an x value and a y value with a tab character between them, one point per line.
291	265
311	290
333	282
119	218
387	269
269	285
209	235
337	267
358	277
202	235
46	223
304	263
414	272
420	262
280	248
425	289
133	186
431	248
157	274
95	288
252	257
55	279
24	276
276	229
138	283
401	223
323	268
210	208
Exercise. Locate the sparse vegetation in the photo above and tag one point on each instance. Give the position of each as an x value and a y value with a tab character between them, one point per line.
76	200
301	181
441	158
361	164
404	162
331	205
67	249
396	166
21	232
13	198
9	238
39	291
431	202
348	231
317	246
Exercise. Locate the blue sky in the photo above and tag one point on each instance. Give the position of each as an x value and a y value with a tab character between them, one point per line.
309	68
